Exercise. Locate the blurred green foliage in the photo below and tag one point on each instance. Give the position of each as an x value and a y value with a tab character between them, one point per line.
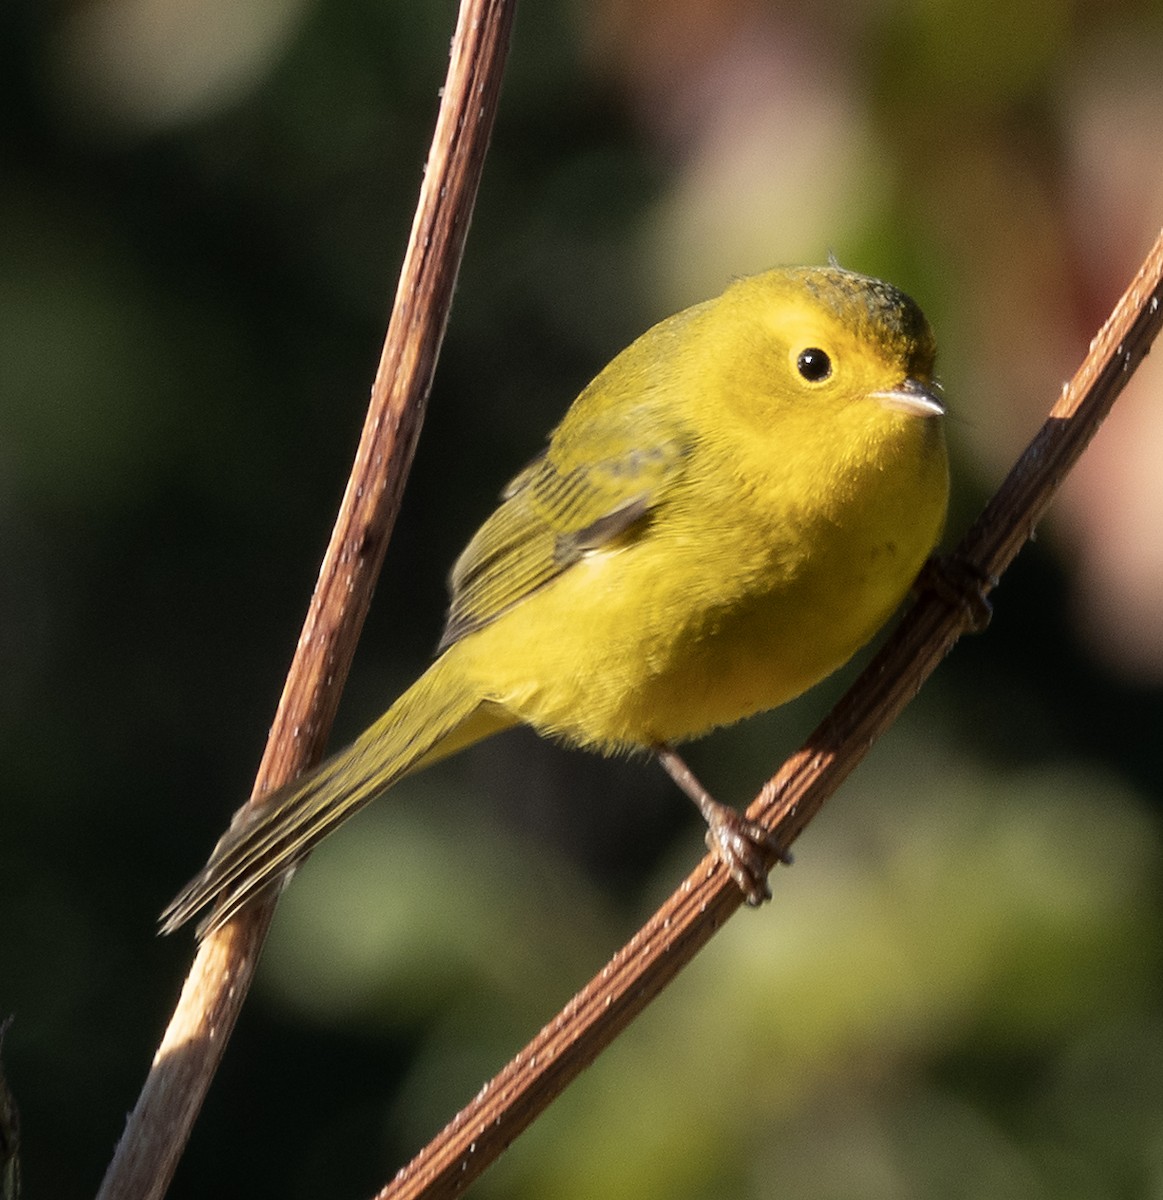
957	989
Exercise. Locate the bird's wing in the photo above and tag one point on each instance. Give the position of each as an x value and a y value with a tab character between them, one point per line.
572	500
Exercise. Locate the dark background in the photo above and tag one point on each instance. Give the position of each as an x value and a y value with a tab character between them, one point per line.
203	207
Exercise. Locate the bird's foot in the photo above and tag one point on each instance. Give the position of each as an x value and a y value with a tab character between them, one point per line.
743	846
958	581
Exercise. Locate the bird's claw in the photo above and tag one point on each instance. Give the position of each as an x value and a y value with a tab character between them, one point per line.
745	848
959	581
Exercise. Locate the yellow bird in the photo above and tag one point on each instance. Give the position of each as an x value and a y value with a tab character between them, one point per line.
727	513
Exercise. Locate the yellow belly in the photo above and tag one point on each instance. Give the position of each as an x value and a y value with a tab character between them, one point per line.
654	663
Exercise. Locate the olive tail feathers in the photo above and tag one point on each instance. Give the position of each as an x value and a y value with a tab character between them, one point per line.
439	714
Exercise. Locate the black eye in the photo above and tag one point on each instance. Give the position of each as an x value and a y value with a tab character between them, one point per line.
813	364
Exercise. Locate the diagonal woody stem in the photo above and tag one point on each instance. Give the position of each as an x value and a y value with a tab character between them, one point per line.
184	1066
514	1098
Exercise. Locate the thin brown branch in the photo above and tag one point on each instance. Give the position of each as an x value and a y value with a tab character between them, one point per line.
670	939
185	1063
9	1131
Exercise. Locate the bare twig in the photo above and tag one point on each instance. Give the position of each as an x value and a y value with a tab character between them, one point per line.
9	1131
188	1057
669	940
